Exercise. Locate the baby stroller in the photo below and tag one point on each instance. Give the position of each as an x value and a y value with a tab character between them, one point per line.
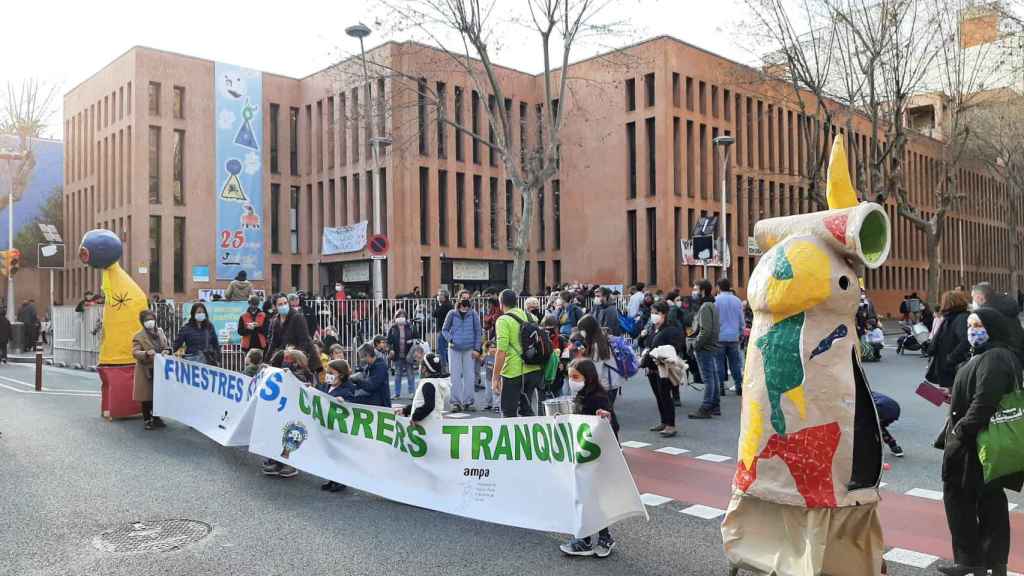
915	338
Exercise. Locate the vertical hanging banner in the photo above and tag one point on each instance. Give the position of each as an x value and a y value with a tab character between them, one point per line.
238	93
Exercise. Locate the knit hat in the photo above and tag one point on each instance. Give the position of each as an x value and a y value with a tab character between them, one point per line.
432	365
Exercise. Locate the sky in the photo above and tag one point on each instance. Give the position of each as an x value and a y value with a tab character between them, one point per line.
64	42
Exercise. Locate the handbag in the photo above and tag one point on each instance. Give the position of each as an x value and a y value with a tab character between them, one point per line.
1001	443
210	355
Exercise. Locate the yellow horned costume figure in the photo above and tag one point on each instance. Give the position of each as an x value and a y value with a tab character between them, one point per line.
123	297
805	492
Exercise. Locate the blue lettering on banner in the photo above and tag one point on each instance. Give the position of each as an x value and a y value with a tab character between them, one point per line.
272	389
220	382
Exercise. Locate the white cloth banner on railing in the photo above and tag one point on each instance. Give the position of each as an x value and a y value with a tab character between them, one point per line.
344	239
216	402
560	474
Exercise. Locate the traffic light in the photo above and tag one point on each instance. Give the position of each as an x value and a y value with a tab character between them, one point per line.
3	262
13	261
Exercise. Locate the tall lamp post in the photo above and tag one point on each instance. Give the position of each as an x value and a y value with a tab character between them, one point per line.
9	157
724	142
360	31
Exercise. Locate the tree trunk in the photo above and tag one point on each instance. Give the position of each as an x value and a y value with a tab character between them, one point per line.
522	242
933	244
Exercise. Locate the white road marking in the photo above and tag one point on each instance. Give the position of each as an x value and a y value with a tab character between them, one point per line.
713	458
635	444
701	511
910	558
48	393
654	499
923	493
45	389
672	450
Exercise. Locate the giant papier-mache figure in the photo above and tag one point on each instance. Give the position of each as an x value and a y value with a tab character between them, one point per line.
805	492
123	298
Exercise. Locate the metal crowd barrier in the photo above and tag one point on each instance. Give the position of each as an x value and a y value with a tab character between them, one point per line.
77	335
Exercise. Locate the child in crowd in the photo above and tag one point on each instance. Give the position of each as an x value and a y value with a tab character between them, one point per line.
253	362
591	399
552	371
296	361
337	385
487	360
432	393
888	412
337	352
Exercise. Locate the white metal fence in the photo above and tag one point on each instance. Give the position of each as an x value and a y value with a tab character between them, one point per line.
77	335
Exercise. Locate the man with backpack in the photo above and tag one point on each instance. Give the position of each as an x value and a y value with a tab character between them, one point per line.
606	312
520	359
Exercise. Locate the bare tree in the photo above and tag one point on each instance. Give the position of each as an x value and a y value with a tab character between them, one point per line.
26	114
997	128
463	33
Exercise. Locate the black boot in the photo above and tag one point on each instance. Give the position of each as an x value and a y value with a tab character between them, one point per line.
958	570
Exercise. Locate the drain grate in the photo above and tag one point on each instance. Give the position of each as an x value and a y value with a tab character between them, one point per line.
152	536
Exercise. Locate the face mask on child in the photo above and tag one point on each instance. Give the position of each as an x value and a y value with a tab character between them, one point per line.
576	385
977	336
330	378
200	317
149	324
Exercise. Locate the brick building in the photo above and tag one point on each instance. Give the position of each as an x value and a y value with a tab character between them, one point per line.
637	170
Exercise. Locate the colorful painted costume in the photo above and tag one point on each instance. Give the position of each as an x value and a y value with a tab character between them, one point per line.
123	297
805	492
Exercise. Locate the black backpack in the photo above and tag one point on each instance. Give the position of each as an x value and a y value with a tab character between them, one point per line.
533	341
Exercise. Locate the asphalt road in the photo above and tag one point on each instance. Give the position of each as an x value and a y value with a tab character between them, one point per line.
69	475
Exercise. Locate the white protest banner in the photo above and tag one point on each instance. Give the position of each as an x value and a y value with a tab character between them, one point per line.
560	474
344	239
218	403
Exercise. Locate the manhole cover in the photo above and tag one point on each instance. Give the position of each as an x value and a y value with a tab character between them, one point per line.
154	536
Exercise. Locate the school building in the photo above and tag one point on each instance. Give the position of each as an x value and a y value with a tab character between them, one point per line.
637	170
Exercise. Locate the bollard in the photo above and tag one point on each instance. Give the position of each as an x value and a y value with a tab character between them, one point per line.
39	370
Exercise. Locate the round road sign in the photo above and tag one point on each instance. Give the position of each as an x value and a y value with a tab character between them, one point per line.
378	245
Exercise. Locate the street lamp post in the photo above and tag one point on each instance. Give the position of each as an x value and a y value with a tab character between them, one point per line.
724	142
361	31
9	157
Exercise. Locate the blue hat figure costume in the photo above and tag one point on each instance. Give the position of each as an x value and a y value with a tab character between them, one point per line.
805	493
124	299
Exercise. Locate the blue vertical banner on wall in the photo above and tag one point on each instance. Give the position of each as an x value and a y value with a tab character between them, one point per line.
239	171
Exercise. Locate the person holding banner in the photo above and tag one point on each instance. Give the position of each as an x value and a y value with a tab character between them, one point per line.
146	344
431	394
591	399
199	338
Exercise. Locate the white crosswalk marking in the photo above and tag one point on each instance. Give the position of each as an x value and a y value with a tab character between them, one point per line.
910	558
701	511
634	444
713	458
672	450
924	493
654	499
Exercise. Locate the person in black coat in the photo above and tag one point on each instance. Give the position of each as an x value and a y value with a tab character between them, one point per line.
5	334
591	399
662	333
199	337
289	329
977	514
949	347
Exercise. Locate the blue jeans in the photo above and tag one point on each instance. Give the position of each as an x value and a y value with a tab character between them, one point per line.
730	352
442	348
404	368
709	374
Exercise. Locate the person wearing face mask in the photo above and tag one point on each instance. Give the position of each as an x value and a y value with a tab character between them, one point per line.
289	328
339	292
706	327
146	344
606	312
463	331
591	399
199	338
976	511
440	313
662	334
251	326
400	337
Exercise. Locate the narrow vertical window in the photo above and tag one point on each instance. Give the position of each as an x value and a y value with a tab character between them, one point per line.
442	117
153	99
179	254
178	105
293	223
556	201
652	164
275	218
631	159
494	213
332	128
652	246
630	94
424	206
293	141
631	240
179	167
477	199
510	212
460	121
475	120
154	164
677	181
649	89
675	89
541	232
274	113
421	115
492	119
442	207
154	253
460	210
